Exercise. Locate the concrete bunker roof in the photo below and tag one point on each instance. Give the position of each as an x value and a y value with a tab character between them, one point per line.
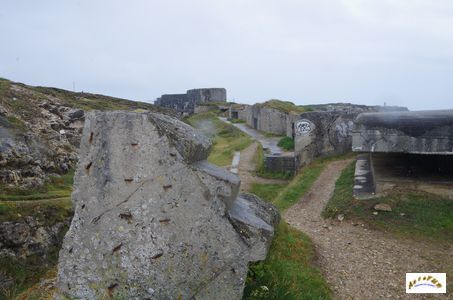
424	118
415	122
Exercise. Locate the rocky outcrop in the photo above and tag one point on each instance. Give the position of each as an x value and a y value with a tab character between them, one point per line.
153	219
40	130
29	241
21	239
33	146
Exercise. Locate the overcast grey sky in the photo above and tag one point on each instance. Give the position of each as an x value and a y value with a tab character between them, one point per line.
370	52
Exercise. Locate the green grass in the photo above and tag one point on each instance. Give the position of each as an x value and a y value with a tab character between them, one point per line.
226	138
289	271
237	121
268	192
284	106
47	211
286	143
426	216
57	187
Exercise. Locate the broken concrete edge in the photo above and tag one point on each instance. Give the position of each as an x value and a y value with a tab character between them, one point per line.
364	185
255	220
189	142
217	173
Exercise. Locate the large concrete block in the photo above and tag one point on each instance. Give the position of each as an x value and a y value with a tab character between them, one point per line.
417	132
151	224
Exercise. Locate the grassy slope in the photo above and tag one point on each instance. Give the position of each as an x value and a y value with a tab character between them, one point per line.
289	271
285	106
426	216
57	187
227	138
25	102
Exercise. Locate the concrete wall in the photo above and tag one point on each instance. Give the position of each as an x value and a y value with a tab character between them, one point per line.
204	108
207	95
239	112
278	163
177	102
185	103
322	133
267	119
417	132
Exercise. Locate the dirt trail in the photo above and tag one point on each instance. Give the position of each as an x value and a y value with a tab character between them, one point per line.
247	165
360	263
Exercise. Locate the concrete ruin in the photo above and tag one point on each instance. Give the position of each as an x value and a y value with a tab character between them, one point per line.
185	103
326	132
153	219
320	134
238	112
404	149
267	119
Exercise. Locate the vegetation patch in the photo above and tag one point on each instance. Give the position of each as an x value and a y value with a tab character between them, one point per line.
414	214
284	106
288	271
38	291
237	121
48	212
269	192
226	138
56	187
28	271
286	143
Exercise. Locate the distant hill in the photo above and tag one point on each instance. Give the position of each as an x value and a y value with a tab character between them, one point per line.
40	129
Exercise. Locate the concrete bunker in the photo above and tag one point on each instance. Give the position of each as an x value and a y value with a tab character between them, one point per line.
185	103
410	150
320	134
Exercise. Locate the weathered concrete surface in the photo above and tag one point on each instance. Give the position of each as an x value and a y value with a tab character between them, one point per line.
185	103
280	163
266	119
417	132
238	112
338	108
364	185
322	133
153	220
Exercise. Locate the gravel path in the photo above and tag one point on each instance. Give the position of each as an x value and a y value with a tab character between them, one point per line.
357	262
247	167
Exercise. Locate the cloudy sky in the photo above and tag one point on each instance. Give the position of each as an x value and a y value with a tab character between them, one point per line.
371	51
